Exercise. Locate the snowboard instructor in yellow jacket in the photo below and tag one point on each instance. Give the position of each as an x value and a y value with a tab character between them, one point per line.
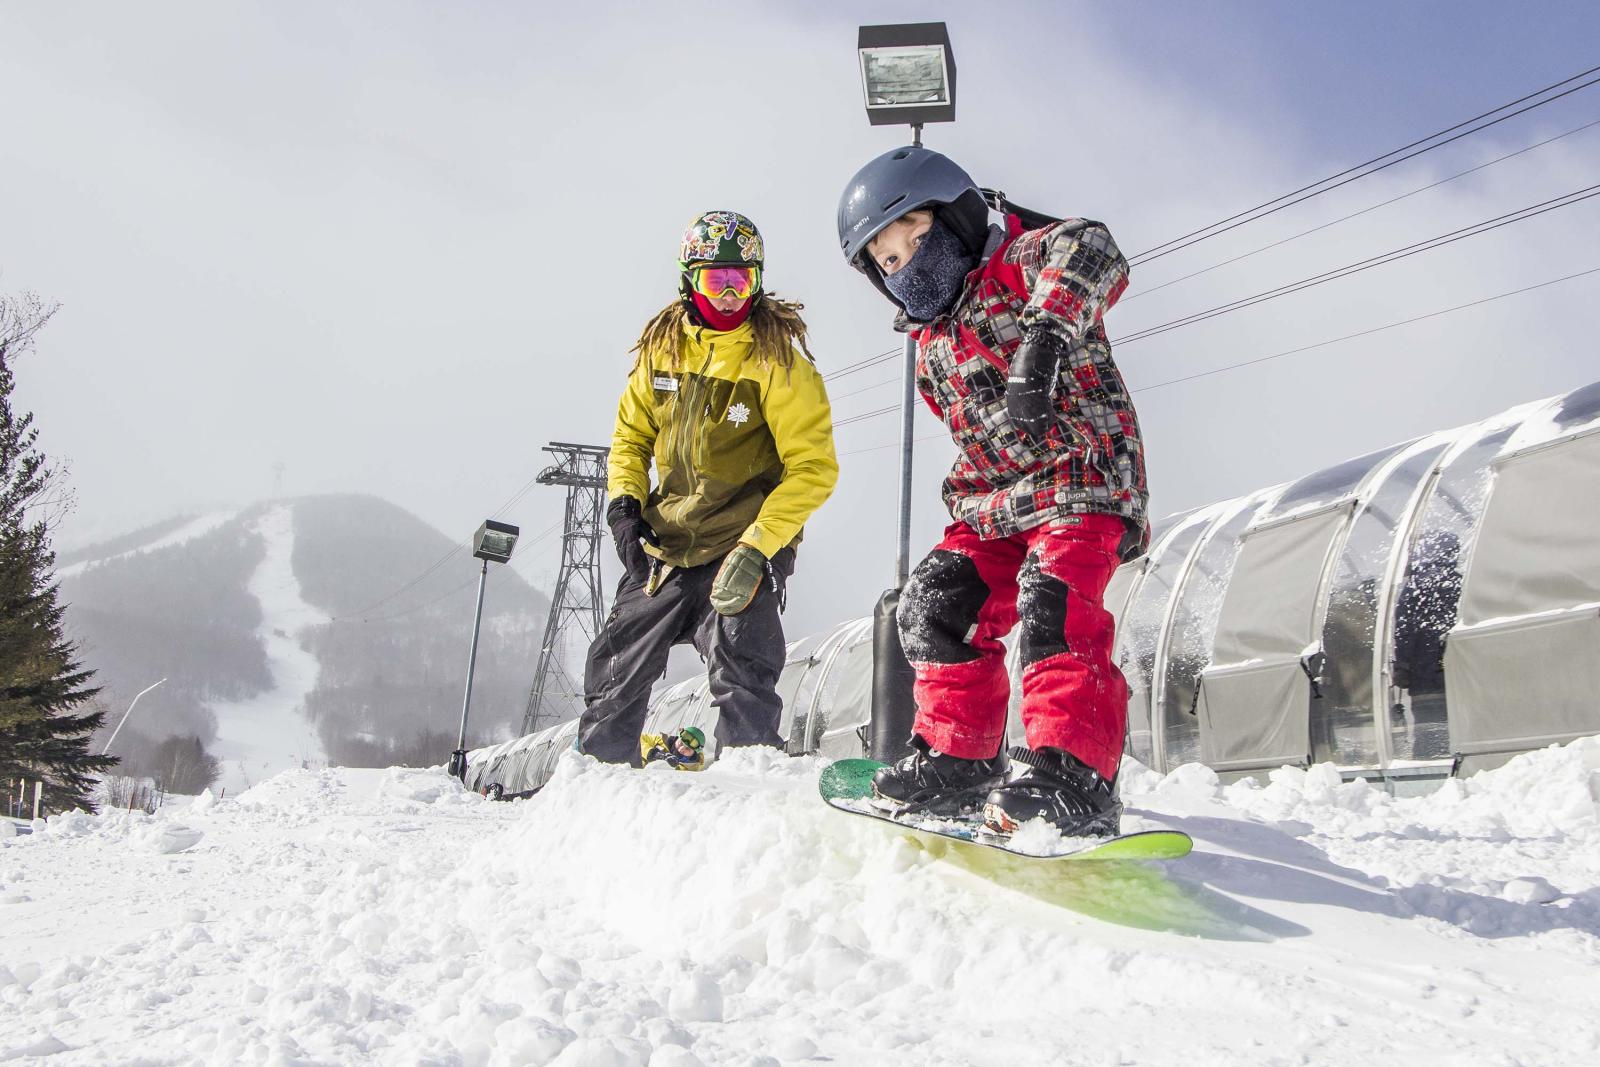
725	402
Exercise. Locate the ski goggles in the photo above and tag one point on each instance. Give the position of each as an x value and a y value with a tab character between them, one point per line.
715	279
689	741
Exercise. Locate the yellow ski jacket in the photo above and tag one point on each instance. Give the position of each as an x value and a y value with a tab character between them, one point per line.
743	450
649	743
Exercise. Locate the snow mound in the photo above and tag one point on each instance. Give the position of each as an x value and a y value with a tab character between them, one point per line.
430	786
298	792
166	838
1554	792
729	918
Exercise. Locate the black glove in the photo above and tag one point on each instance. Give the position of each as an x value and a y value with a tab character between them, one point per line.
628	528
1031	383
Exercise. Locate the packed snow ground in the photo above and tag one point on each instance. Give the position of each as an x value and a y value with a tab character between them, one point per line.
625	917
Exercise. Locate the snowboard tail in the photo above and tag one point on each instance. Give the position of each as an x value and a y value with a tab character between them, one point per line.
846	785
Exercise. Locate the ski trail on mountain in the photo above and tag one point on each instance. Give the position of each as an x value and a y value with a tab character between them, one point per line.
268	733
198	527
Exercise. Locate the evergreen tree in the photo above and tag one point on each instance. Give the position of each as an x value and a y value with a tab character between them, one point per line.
44	727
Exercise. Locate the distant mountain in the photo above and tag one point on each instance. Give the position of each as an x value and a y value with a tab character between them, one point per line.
326	628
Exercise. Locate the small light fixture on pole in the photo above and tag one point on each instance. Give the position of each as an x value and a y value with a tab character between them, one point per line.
908	77
492	543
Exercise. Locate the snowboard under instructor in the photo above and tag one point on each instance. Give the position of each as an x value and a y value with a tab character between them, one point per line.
1047	492
725	401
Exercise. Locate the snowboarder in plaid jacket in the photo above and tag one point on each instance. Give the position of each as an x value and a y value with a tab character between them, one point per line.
1048	493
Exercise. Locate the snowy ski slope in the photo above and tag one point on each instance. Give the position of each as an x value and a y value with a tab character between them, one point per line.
625	917
263	734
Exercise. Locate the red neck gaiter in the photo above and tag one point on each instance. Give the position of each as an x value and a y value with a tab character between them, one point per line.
716	320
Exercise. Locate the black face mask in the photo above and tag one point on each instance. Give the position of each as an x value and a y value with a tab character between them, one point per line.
931	280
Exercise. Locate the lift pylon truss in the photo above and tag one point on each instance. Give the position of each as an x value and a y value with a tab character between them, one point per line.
577	604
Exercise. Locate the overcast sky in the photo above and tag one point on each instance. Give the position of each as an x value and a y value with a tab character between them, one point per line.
397	247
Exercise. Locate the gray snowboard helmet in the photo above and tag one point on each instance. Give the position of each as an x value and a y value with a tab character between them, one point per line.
898	183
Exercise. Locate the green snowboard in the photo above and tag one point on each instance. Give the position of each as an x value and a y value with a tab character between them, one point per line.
847	786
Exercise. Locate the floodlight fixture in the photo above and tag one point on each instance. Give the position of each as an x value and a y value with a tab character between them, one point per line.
494	541
493	544
908	74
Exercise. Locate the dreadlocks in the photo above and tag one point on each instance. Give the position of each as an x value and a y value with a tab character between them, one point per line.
777	324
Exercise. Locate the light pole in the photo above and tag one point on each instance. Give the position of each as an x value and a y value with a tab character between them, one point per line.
493	542
908	77
125	715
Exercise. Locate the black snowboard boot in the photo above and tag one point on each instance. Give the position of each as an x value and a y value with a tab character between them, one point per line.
938	783
1058	788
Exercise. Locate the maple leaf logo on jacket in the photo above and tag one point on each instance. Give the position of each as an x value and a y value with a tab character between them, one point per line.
739	414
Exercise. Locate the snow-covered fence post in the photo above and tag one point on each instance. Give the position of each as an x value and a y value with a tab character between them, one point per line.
38	795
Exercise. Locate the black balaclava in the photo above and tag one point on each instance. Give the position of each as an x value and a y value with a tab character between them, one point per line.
931	280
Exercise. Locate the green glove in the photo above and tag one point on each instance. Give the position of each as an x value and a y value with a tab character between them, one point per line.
738	580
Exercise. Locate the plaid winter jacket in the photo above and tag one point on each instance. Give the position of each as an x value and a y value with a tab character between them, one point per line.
1064	278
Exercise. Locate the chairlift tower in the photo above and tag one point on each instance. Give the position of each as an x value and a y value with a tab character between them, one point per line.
577	602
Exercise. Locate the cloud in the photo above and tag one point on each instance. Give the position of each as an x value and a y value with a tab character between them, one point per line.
398	250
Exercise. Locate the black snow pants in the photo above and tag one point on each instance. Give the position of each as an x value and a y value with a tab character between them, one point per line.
743	654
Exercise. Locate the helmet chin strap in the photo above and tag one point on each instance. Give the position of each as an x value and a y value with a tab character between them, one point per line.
720	321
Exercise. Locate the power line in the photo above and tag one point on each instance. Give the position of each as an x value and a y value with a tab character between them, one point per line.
894	444
1520	215
863	389
864	416
1359	171
449	554
455	549
1392	256
450	592
1363	211
1366	333
870	361
1303	348
458	547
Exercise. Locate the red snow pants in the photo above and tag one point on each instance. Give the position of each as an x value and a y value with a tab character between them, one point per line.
968	593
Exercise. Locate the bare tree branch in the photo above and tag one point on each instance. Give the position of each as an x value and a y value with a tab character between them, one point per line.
22	317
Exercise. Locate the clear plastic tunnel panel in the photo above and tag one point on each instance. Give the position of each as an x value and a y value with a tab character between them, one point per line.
1429	594
1255	698
1326	486
801	679
840	720
1343	724
1141	627
1578	408
1520	661
1194	626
